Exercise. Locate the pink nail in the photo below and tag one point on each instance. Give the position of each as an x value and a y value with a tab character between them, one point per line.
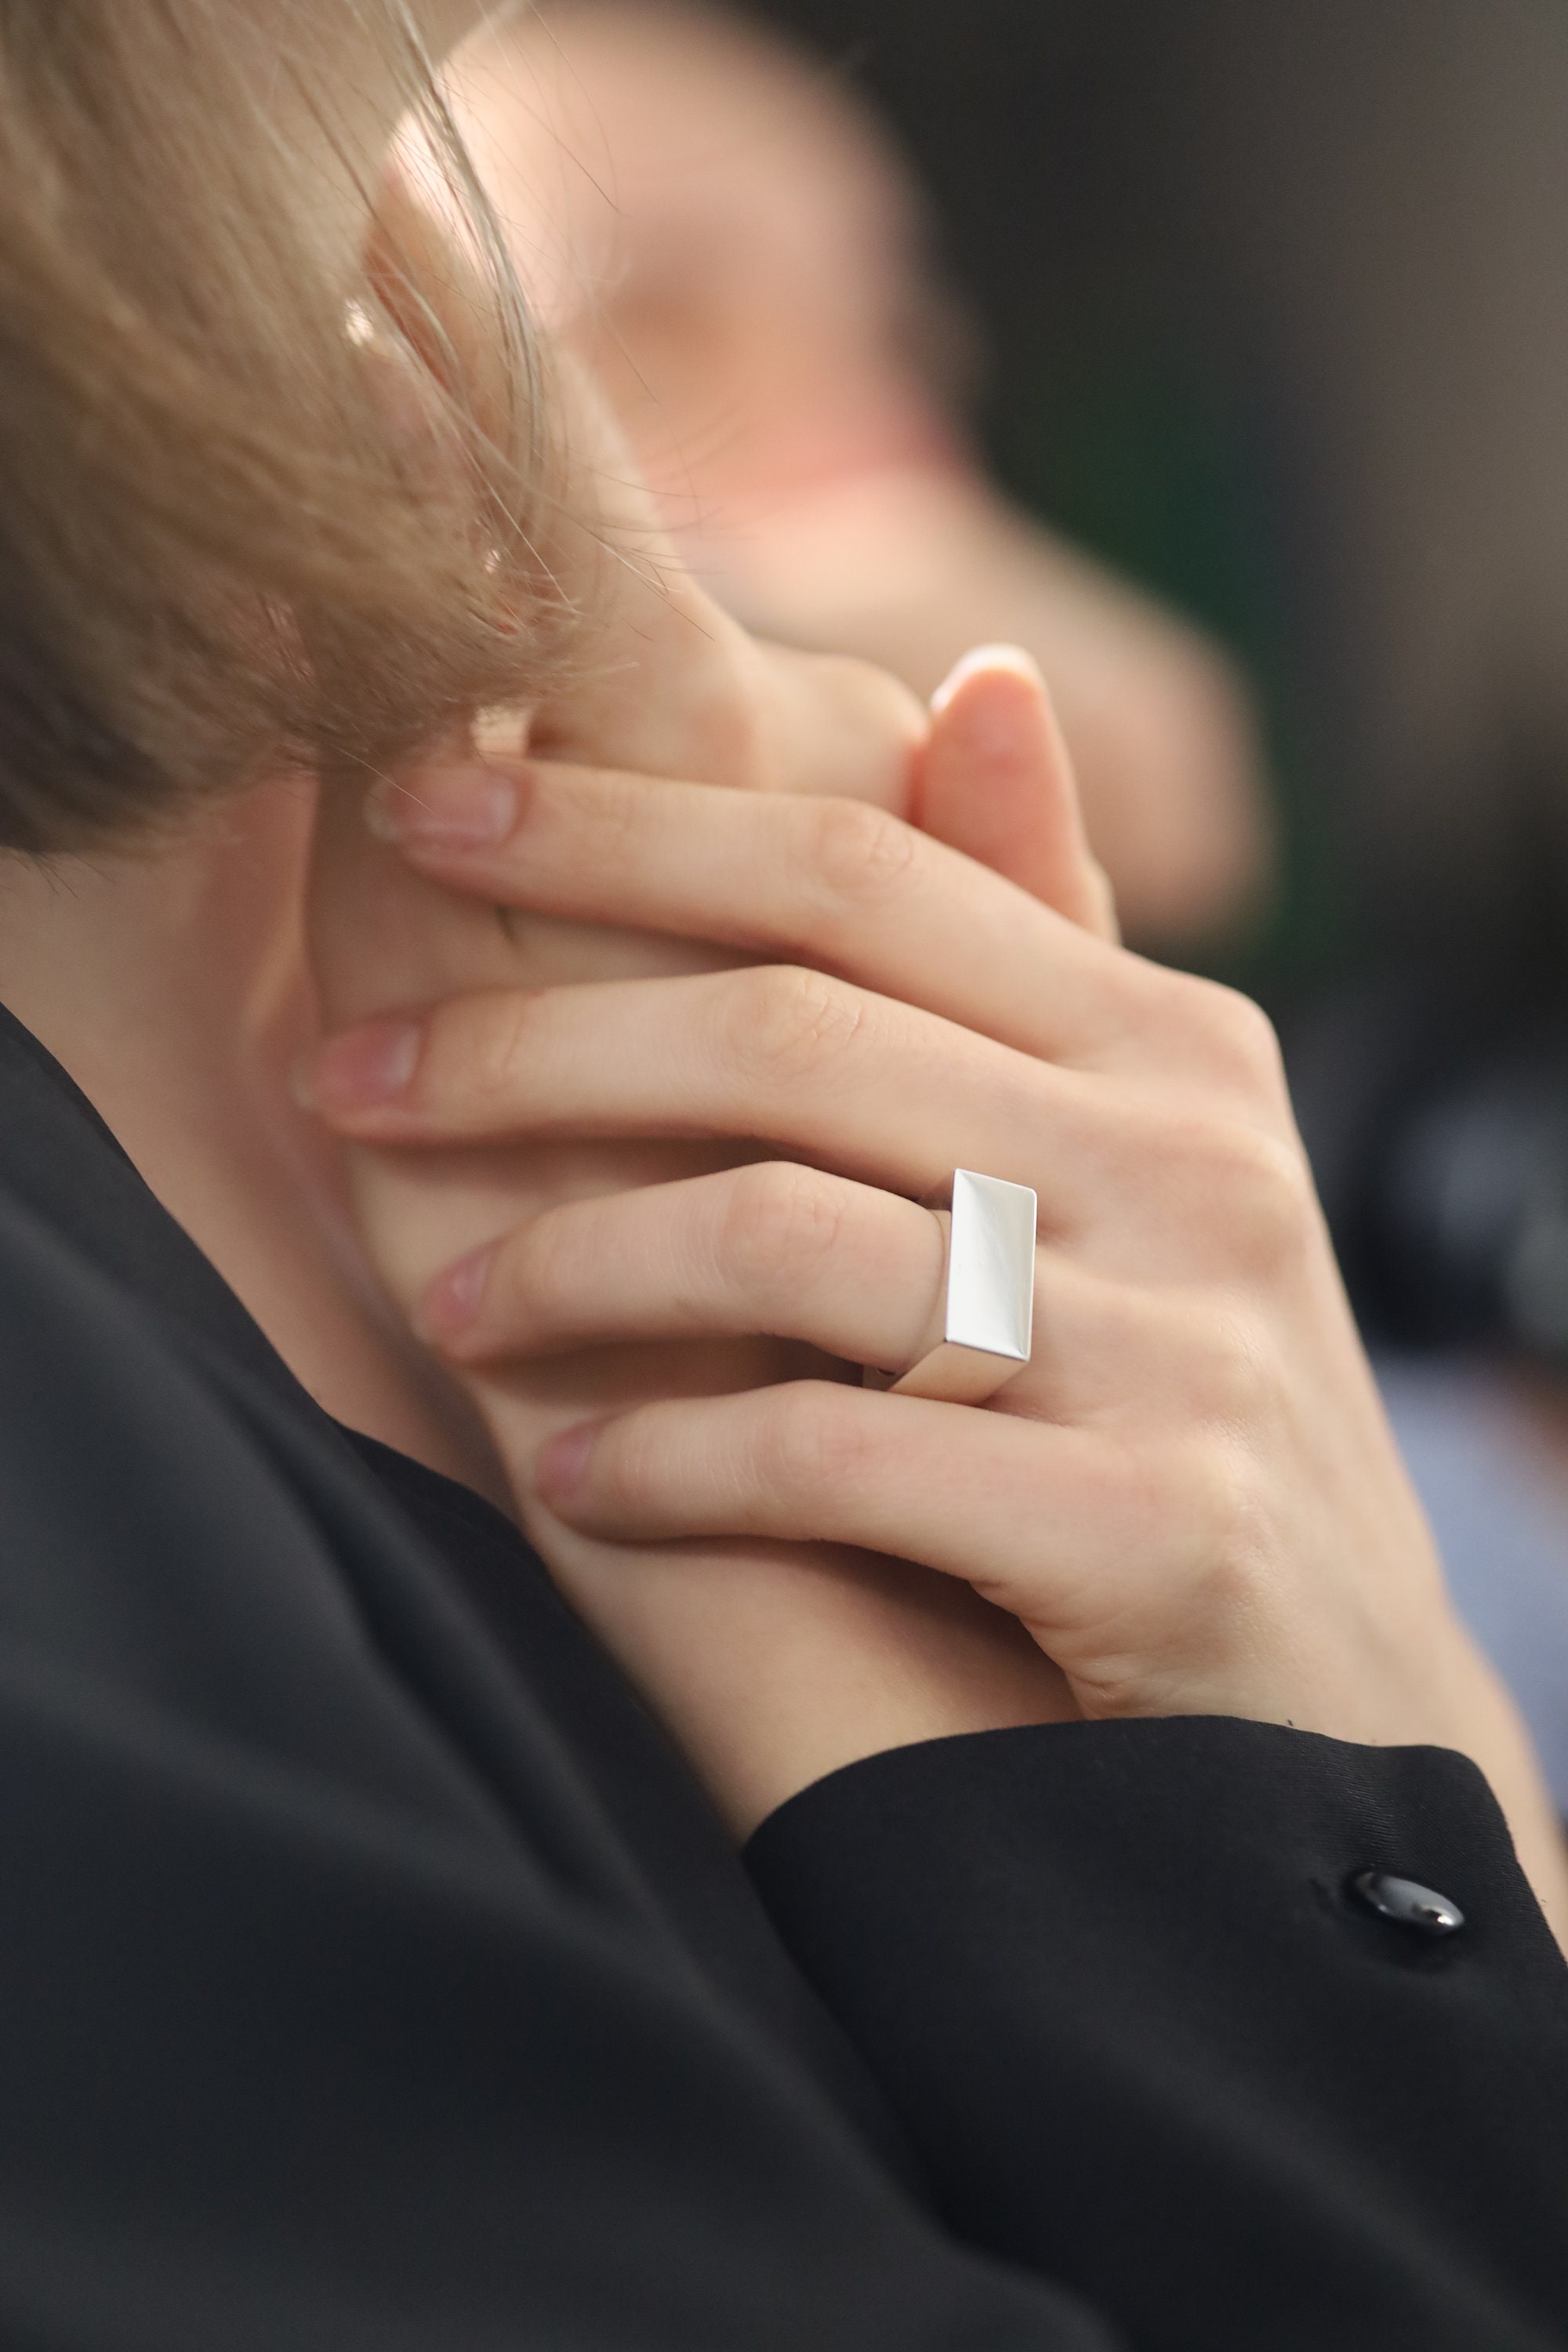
452	1301
365	1067
444	808
563	1459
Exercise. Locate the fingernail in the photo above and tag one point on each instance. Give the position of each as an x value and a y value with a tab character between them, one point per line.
982	658
452	1301
365	1066
444	808
562	1461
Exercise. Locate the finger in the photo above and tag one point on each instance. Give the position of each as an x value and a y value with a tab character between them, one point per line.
833	883
997	782
1050	1523
732	711
778	1250
771	1248
824	1071
828	725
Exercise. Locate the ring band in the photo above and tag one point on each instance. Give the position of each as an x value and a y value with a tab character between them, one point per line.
989	1312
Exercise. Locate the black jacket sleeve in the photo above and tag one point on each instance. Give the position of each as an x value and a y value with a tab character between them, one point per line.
1151	2041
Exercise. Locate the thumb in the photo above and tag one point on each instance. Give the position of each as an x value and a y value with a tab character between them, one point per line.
997	782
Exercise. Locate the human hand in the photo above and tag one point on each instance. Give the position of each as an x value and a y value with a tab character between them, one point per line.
1190	1497
771	1663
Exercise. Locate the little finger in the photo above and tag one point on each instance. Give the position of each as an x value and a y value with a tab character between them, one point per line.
1056	1525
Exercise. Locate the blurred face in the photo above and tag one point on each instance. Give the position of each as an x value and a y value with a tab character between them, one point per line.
722	233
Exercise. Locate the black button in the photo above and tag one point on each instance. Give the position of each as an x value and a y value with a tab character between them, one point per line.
1401	1899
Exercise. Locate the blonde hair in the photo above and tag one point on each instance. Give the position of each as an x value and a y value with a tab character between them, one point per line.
261	505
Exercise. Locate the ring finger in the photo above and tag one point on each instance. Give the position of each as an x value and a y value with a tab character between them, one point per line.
776	1250
771	1248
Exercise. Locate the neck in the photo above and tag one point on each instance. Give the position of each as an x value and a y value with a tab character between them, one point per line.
173	987
153	961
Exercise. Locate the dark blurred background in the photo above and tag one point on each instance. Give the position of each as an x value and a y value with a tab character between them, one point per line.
1275	300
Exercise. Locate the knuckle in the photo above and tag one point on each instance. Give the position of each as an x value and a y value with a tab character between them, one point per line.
858	854
633	1465
876	725
784	1025
779	1226
888	710
813	1448
727	704
1271	1199
539	1271
1250	1190
1239	1040
613	815
480	1053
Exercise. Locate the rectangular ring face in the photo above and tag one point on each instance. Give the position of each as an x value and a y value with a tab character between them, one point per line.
991	1266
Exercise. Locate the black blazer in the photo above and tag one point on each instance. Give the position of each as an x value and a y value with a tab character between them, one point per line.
375	1978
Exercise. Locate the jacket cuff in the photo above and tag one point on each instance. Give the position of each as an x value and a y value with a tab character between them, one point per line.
1143	2032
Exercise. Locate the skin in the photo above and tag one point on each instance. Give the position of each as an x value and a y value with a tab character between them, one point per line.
176	990
1230	1526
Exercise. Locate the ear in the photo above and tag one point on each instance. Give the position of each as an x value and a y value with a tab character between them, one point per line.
996	781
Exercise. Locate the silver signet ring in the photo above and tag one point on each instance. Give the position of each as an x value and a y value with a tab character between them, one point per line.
988	1324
